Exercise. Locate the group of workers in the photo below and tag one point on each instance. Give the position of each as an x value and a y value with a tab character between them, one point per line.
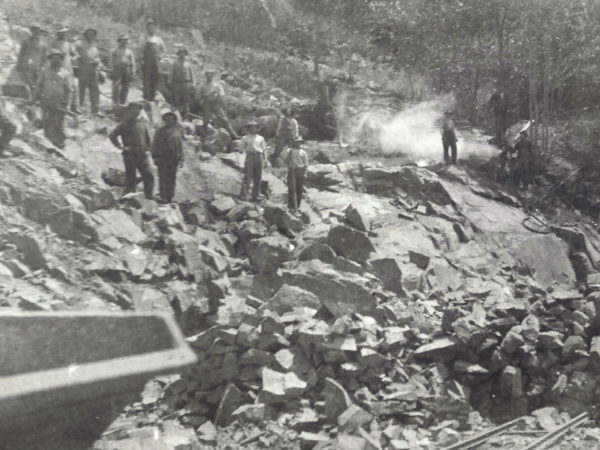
52	73
133	137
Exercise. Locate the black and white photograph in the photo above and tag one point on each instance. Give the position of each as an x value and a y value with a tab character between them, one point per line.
299	224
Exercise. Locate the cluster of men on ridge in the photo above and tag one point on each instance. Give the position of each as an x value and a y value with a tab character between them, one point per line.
59	75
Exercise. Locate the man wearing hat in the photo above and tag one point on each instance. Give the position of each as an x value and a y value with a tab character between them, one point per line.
135	143
296	161
89	67
61	43
151	48
54	91
212	96
32	57
254	146
167	152
123	67
182	82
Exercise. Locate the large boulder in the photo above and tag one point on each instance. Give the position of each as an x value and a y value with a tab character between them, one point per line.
341	293
268	254
350	243
443	277
547	259
283	220
289	297
417	182
388	270
353	218
316	250
118	224
323	176
578	241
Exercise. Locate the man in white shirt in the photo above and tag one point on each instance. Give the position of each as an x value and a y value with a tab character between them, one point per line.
254	146
62	43
151	48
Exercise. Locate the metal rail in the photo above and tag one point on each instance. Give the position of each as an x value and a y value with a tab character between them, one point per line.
552	436
483	437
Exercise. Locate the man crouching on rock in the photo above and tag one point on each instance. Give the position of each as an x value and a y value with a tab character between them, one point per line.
135	137
167	152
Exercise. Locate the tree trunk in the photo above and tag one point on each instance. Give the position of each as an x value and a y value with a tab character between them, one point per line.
547	89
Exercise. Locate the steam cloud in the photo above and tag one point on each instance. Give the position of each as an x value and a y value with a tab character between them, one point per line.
414	133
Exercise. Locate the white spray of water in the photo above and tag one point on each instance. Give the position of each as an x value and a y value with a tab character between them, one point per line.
414	133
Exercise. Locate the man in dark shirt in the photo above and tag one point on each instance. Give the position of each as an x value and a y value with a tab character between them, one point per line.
524	161
135	143
167	151
449	138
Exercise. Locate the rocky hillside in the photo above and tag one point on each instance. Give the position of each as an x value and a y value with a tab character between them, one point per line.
401	307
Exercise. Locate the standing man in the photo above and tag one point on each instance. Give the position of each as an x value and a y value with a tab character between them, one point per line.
182	82
524	160
89	66
167	152
213	94
449	138
61	43
54	91
287	132
122	69
32	57
151	50
7	129
135	145
499	106
296	160
254	146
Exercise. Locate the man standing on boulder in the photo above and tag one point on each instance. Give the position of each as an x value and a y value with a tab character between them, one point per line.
32	57
54	91
89	67
123	67
167	152
151	49
182	82
287	132
297	161
449	138
254	146
213	94
61	43
135	137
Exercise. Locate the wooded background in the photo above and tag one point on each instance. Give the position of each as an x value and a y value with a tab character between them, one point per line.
544	53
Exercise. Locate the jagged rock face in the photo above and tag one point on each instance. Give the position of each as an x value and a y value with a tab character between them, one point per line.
285	313
339	292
